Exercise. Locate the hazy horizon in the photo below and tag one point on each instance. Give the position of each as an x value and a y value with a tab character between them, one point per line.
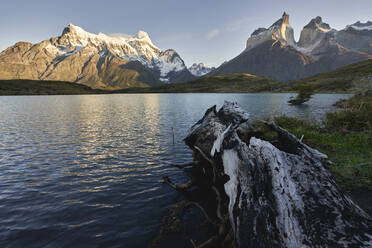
209	31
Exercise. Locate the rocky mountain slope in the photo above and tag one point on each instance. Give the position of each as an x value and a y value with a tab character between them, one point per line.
97	60
273	52
200	69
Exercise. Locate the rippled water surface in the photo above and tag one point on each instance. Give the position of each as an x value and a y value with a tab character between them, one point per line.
85	171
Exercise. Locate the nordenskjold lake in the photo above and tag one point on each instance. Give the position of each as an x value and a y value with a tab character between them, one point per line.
86	171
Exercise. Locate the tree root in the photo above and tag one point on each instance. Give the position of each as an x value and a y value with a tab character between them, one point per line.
222	237
182	166
209	243
178	186
219	202
209	160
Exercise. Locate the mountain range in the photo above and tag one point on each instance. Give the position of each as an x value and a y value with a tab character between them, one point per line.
273	52
200	69
96	60
113	62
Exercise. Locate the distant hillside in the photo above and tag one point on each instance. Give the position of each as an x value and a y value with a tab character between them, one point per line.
351	78
233	83
34	87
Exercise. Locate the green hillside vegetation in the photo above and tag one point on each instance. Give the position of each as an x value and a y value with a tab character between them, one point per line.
233	83
351	79
33	87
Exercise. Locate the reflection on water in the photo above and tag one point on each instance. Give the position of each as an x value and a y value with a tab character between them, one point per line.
86	170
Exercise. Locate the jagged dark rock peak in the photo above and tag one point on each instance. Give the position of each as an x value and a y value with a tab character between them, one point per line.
272	52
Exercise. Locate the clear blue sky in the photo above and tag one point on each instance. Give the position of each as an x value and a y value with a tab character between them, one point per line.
209	31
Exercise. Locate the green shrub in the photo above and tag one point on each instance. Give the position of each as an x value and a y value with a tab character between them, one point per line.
355	114
304	94
346	137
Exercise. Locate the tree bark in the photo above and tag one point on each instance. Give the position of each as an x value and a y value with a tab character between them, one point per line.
279	193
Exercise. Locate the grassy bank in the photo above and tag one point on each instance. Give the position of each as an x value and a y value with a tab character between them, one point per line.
35	87
345	136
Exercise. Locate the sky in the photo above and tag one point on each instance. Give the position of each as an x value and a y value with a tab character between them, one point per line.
208	31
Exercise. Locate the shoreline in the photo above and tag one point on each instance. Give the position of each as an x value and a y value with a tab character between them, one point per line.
357	188
163	93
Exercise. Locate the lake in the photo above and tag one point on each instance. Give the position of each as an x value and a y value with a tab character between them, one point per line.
86	171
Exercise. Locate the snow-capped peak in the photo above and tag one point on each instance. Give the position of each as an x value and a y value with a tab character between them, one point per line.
137	47
74	29
169	61
142	35
361	26
200	69
78	35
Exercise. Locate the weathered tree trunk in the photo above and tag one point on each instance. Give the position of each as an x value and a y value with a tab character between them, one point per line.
279	193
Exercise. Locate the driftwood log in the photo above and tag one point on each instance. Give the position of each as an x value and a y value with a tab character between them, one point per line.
274	193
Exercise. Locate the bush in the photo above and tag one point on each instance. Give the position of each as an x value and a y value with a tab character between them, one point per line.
304	95
355	114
